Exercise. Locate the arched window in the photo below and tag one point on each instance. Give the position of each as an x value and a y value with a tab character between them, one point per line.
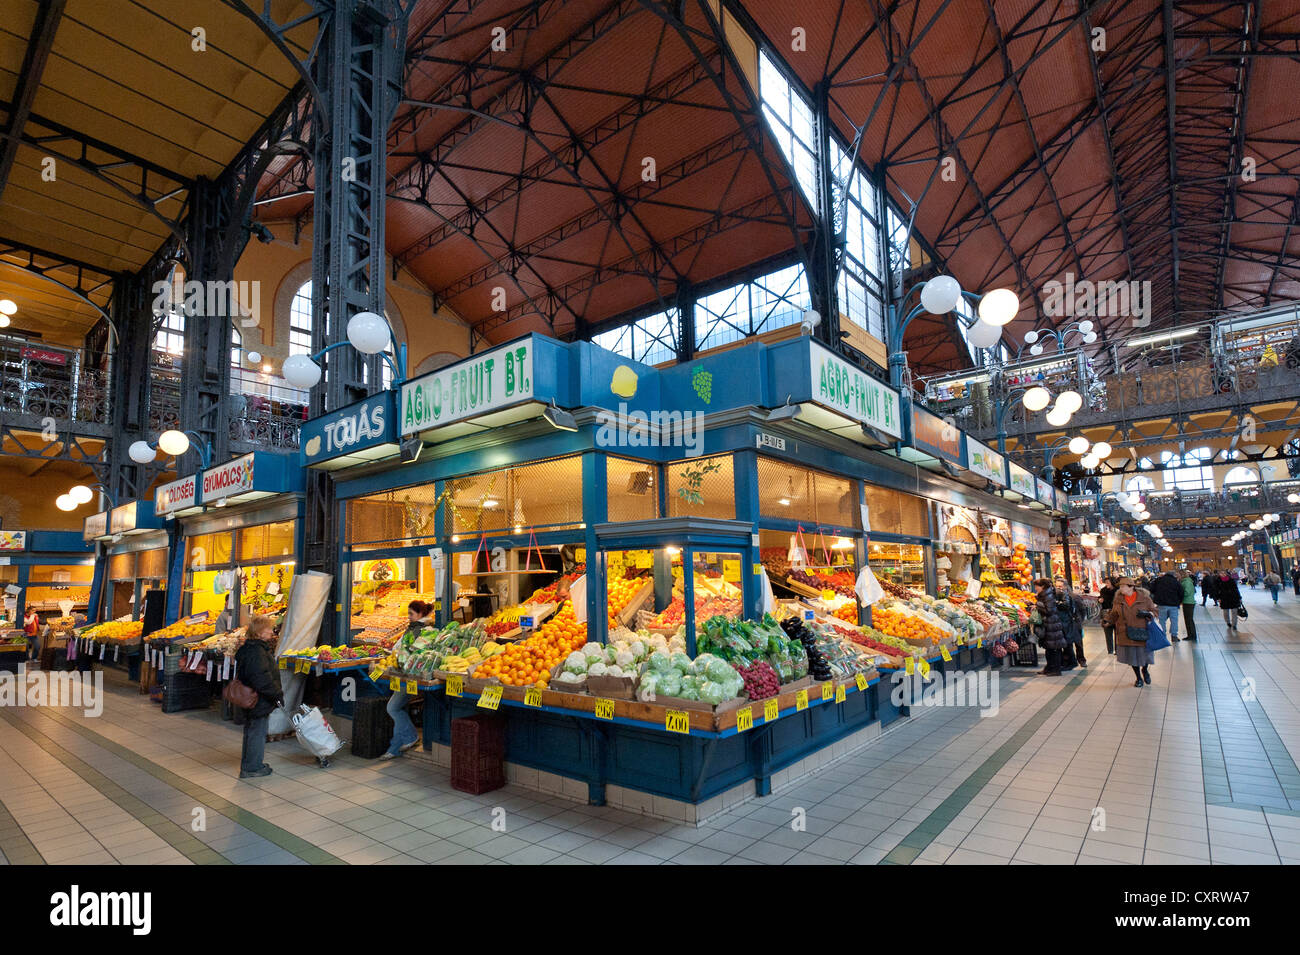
1240	475
1188	472
300	321
1142	484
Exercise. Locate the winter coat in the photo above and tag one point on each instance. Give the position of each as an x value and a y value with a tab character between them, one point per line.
1228	594
255	667
1124	615
1189	590
1272	580
1054	609
1210	586
1166	591
1107	598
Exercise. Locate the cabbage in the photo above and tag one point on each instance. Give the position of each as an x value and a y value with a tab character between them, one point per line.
669	683
689	693
621	645
680	662
575	663
611	655
713	693
702	662
596	669
625	658
646	691
720	671
615	670
659	662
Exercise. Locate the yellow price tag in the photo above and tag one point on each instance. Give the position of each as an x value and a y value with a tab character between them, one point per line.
925	667
828	595
862	681
943	652
744	719
961	640
910	666
677	721
758	569
731	571
979	644
455	685
532	696
771	710
394	684
284	663
828	691
840	693
801	701
412	688
376	673
491	697
604	709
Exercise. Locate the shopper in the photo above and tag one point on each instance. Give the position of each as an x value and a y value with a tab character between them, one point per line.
255	667
1188	583
1167	593
404	733
1229	600
1073	655
1210	588
1132	609
1295	579
1107	601
31	630
1274	583
1050	630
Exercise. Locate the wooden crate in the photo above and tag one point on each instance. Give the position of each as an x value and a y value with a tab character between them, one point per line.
627	615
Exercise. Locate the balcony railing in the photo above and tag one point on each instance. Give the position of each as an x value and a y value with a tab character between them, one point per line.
42	382
1231	501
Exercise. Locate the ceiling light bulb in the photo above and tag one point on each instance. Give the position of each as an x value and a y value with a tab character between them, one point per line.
8	306
81	494
1090	461
1070	400
141	452
368	333
1078	445
999	306
173	442
1102	450
1037	398
1031	337
1058	418
300	371
940	295
65	503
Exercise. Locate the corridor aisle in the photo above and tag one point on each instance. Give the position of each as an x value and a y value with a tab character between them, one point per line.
1199	767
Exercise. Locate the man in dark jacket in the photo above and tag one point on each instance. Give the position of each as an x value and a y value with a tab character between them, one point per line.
1168	596
1073	654
255	667
1229	595
1210	587
1050	630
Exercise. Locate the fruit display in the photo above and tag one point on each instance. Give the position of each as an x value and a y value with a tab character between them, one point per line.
223	643
454	649
989	579
1021	567
622	658
529	662
181	630
674	615
818	666
898	590
743	642
848	611
1014	596
115	631
775	561
760	680
620	594
843	655
896	621
841	582
707	678
384	637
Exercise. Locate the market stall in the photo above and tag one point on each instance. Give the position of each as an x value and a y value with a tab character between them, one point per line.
51	571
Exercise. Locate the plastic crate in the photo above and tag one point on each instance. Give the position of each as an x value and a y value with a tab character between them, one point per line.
372	727
478	754
1027	655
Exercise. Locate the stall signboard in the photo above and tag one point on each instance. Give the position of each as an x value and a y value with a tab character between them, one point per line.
1021	534
13	540
176	496
481	383
1021	481
986	462
225	480
363	431
95	526
938	437
122	518
48	356
837	385
1046	493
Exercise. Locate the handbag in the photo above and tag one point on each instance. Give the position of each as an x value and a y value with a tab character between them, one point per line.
240	694
1241	612
1156	639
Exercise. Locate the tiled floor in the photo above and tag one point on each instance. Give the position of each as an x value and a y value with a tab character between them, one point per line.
1086	769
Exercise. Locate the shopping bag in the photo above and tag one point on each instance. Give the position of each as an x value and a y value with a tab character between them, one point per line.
868	588
1156	639
315	735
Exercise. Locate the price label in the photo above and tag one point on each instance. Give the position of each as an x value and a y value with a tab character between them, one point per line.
284	663
943	652
115	649
532	696
961	640
801	701
376	673
979	644
604	709
828	691
491	697
102	648
840	693
809	615
925	667
758	570
677	721
395	684
304	666
744	719
455	685
828	595
412	688
910	666
771	710
862	681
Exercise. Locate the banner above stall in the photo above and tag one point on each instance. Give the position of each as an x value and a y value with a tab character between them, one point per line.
363	431
250	478
95	527
832	394
178	498
13	540
1021	482
932	442
986	462
133	517
1046	494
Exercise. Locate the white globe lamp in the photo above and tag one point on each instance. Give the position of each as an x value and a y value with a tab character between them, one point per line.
141	452
173	442
999	306
254	357
940	295
300	371
1102	450
1071	401
81	494
8	306
1031	337
1037	398
65	503
1078	445
1090	461
1058	418
1086	327
368	333
983	335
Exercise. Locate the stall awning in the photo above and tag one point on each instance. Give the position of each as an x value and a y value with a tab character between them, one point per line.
250	478
178	498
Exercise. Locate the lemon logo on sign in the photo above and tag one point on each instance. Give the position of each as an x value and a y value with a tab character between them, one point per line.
313	447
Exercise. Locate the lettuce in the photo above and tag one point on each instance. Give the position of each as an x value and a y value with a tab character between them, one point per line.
713	693
659	662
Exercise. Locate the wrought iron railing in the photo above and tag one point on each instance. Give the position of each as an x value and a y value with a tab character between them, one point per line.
49	382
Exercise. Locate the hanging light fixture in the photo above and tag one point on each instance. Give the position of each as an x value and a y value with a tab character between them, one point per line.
1102	450
173	442
1078	445
1070	400
1037	398
80	494
940	295
65	502
999	306
8	306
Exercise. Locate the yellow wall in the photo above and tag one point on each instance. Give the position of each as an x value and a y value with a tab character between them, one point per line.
282	266
27	503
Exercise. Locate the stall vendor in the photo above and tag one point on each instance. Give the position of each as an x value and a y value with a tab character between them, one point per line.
404	733
31	630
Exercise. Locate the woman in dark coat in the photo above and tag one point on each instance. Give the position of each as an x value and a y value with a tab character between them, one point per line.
1129	614
1210	588
255	667
1051	631
1107	601
1229	596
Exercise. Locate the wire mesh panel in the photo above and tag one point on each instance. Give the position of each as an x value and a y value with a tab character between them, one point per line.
403	514
633	494
798	493
702	487
152	564
121	567
893	512
541	495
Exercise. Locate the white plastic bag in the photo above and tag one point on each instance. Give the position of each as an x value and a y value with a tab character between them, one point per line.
316	736
769	600
868	588
578	597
